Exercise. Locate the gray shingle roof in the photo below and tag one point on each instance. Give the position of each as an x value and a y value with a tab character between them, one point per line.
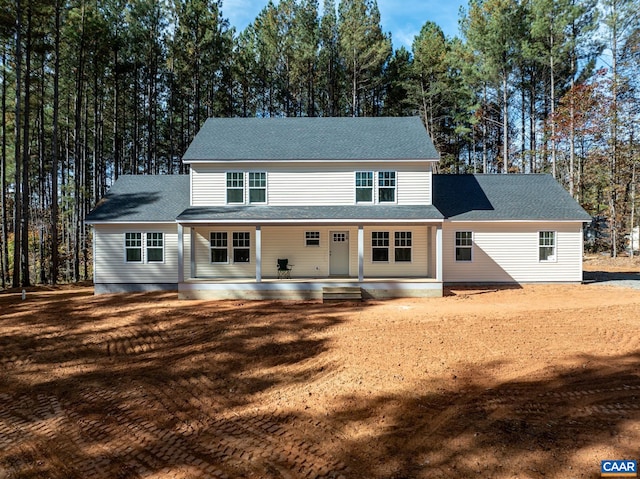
310	213
504	197
229	139
141	198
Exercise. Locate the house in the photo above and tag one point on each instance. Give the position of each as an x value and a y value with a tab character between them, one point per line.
347	201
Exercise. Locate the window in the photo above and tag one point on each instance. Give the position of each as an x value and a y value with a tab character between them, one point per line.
257	187
386	186
219	250
312	238
403	246
155	247
547	245
235	187
464	242
364	186
241	247
133	247
380	246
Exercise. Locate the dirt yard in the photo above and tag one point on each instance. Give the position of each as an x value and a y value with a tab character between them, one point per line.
532	382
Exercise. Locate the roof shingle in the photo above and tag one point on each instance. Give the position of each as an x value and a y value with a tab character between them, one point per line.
282	139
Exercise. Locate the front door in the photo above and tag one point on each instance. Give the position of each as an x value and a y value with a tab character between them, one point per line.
339	253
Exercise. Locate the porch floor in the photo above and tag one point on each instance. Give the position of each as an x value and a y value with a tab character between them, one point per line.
305	288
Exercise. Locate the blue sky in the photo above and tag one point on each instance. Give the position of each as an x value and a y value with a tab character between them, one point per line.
403	18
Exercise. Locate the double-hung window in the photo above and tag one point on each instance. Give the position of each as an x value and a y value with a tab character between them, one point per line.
380	246
241	247
364	186
464	244
219	247
257	187
386	187
402	246
235	187
312	238
155	247
547	245
133	247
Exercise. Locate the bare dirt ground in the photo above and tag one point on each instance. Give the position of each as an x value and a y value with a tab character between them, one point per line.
531	382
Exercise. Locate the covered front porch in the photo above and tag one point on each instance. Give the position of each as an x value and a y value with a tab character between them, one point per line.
235	258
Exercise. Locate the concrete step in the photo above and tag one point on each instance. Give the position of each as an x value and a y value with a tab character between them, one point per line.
344	293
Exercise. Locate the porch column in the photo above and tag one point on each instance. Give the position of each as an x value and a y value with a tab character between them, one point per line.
192	255
360	253
439	253
180	253
258	254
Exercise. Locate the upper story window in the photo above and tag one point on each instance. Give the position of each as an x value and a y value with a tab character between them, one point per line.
235	187
386	186
364	186
256	181
257	187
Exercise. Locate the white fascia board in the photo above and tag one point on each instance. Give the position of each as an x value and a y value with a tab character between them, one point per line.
316	160
515	221
115	223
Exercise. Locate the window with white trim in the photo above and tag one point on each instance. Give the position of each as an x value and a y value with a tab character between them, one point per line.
235	187
219	247
241	247
257	187
386	187
155	247
402	246
464	245
312	238
133	247
364	186
380	246
547	245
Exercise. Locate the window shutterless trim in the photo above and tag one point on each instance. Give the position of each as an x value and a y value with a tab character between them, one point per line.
379	243
363	181
129	245
156	238
463	241
219	241
261	178
312	238
234	182
548	240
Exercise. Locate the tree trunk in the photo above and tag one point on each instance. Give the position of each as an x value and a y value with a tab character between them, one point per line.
18	154
3	176
55	150
24	219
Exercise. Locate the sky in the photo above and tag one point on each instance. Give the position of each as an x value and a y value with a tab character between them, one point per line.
403	18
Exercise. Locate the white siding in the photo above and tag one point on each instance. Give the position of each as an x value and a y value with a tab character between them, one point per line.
317	184
203	266
111	267
418	267
508	252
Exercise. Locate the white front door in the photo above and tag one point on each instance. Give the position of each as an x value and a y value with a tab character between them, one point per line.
339	253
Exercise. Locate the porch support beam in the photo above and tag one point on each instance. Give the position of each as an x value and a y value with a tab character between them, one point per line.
360	253
180	253
192	254
439	253
258	254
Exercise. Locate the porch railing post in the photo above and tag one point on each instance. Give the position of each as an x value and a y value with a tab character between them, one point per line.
439	253
360	253
180	253
258	254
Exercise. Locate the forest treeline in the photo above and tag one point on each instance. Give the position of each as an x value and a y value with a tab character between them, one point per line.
92	89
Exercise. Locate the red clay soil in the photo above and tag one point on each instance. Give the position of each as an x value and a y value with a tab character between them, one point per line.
528	382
